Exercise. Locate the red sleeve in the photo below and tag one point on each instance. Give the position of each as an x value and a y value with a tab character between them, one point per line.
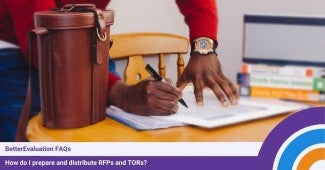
201	17
112	79
22	15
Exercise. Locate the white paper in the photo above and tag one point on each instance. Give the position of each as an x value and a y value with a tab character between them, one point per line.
140	122
211	115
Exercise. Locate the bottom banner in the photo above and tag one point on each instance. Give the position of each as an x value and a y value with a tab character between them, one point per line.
298	142
143	163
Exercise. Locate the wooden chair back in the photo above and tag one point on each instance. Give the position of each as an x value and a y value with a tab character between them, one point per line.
135	46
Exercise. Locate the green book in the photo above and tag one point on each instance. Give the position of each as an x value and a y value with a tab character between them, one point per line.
319	84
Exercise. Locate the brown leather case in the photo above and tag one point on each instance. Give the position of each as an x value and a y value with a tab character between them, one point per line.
73	55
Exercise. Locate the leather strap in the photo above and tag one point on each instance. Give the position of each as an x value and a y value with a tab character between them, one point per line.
100	25
100	53
24	117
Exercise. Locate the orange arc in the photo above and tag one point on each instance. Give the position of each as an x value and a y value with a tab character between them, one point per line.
310	158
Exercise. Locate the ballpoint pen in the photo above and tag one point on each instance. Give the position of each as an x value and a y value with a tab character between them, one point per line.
156	76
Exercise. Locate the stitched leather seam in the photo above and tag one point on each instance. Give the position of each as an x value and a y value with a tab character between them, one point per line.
52	85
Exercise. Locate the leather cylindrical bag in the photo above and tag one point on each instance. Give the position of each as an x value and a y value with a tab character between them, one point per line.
73	64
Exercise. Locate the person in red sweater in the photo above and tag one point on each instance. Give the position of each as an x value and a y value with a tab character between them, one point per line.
148	97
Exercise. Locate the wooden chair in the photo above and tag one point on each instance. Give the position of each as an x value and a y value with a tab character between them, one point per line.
135	46
132	46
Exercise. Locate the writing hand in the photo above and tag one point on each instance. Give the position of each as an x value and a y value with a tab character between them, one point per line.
205	71
148	97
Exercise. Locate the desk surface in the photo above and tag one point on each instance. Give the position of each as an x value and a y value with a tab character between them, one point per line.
113	131
110	130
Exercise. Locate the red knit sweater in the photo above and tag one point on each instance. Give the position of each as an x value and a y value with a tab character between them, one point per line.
16	19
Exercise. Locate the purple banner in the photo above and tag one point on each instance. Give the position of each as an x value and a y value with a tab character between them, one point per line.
129	163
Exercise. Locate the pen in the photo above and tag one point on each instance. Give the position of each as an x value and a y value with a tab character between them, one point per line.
156	76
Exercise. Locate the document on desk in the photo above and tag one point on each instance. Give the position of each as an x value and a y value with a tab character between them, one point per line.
211	115
140	122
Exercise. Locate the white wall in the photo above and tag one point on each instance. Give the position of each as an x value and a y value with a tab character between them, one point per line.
163	16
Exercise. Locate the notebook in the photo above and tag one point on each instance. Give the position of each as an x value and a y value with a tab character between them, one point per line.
211	115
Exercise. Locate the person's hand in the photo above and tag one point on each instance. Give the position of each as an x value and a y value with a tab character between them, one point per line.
205	71
148	97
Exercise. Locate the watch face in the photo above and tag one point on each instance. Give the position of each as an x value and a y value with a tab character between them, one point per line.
204	44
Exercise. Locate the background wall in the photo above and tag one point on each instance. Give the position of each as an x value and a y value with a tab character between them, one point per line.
164	16
149	16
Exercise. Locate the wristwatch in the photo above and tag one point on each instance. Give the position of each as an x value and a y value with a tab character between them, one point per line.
203	45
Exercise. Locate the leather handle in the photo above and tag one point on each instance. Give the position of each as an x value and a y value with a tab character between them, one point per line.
98	14
24	117
72	7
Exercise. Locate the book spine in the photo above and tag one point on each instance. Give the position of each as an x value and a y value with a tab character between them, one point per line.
319	84
278	81
280	93
286	70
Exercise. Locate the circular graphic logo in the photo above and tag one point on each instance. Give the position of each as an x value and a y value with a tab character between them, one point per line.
302	149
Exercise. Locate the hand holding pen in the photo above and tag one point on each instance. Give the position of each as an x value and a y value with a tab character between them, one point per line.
148	97
156	76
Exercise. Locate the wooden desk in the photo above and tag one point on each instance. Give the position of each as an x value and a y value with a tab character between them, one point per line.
113	131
